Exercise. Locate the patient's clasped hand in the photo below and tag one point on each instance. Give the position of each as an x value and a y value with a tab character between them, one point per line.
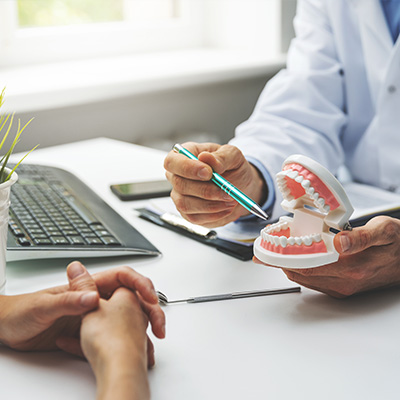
102	317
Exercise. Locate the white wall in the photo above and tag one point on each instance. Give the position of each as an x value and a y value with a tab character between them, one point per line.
156	119
251	24
208	112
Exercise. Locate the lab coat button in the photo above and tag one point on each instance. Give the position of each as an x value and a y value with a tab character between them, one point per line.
391	89
392	188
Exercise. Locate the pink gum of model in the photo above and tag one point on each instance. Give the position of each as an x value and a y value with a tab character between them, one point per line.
318	202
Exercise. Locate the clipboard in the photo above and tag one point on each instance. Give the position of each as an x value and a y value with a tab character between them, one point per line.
362	220
243	252
384	203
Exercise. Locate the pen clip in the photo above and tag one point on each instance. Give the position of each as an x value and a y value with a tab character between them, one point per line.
347	227
179	222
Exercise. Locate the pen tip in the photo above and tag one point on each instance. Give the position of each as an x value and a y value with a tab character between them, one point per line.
259	213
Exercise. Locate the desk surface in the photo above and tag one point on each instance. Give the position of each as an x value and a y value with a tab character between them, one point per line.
303	345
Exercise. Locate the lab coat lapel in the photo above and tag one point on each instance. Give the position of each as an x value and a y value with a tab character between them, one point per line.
376	41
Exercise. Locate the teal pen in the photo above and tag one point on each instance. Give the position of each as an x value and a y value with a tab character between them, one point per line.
228	188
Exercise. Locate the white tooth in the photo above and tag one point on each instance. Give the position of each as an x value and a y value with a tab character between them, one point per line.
306	183
310	191
283	241
299	179
281	183
326	208
298	240
269	238
317	237
280	175
316	196
307	240
276	241
284	225
321	201
264	235
278	228
291	241
292	174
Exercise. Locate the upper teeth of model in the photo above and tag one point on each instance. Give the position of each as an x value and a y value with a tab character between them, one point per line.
283	241
318	200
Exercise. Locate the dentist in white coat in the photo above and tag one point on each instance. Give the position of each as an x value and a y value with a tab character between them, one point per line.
338	101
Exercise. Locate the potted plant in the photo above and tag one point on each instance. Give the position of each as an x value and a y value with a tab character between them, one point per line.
8	177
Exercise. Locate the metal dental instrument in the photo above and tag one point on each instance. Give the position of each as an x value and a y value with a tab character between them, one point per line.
163	299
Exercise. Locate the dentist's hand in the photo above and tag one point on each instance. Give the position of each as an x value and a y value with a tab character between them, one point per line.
201	201
369	259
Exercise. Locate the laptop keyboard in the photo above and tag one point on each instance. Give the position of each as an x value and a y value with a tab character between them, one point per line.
42	214
53	210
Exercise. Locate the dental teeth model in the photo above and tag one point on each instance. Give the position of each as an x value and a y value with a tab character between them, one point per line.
318	202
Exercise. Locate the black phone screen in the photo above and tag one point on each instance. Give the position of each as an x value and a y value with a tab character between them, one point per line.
142	190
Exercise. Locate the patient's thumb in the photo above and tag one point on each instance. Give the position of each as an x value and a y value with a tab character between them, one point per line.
79	278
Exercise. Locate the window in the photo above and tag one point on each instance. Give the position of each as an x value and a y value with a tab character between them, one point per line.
44	31
33	31
40	13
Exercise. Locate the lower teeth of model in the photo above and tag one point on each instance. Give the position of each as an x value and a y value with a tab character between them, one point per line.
284	241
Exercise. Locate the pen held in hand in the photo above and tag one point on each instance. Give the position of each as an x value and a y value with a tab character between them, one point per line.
228	188
163	299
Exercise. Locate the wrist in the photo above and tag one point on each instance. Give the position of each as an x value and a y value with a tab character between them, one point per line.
116	357
4	308
122	377
259	186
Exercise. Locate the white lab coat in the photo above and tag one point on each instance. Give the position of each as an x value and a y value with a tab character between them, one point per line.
338	101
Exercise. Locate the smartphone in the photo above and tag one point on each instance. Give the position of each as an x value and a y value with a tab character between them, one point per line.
142	190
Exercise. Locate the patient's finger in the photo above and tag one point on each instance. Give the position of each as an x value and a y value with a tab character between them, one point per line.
150	354
53	306
79	278
108	281
156	317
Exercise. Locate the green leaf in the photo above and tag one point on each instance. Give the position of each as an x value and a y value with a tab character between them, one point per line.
19	162
4	159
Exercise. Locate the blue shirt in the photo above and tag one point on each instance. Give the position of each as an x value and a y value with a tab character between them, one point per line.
391	9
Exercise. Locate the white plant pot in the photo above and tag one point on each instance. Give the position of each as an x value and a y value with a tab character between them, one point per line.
5	189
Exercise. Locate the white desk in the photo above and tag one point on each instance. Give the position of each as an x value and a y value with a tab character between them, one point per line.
303	346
